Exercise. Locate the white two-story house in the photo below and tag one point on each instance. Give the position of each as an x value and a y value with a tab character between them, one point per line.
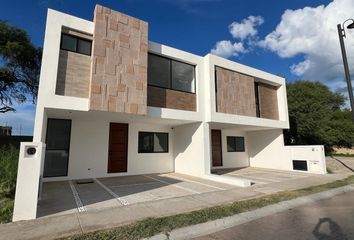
112	103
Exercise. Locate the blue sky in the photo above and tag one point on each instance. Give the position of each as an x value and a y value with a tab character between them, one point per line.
291	50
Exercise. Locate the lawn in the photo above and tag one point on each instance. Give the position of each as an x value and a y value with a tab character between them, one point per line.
342	155
8	173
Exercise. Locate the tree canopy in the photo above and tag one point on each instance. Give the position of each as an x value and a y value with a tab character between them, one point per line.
316	116
20	64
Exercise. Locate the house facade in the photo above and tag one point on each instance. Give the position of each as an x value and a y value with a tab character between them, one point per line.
113	103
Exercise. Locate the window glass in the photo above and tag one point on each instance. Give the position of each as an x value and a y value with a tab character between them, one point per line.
146	142
57	148
183	77
160	142
150	142
68	42
235	144
84	47
256	93
158	71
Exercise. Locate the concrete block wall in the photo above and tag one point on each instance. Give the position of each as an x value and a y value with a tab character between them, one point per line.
119	63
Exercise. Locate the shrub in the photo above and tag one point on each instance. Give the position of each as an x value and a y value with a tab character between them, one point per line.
8	174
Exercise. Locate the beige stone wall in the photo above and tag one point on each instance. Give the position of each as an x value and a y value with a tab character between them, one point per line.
119	63
74	71
235	93
268	101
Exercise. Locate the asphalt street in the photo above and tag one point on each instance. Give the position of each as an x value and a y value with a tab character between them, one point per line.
326	219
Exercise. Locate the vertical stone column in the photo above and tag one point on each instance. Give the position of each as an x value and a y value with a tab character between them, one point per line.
119	63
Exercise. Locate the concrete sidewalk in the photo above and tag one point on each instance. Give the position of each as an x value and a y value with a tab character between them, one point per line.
76	223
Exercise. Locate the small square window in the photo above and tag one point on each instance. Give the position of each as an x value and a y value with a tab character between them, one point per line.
153	142
84	47
68	43
235	144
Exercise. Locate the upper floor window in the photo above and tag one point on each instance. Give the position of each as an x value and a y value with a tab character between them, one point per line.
75	44
171	74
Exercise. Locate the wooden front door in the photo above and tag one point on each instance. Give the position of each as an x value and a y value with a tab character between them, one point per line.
216	149
118	148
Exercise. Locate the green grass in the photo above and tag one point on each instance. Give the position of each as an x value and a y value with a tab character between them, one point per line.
8	174
152	226
342	155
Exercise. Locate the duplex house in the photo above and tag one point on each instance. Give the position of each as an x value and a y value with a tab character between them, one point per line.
113	103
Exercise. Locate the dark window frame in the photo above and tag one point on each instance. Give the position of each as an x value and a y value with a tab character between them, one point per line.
77	44
256	93
145	132
170	74
69	143
243	149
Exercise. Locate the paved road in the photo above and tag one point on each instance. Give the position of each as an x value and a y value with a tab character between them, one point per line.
325	219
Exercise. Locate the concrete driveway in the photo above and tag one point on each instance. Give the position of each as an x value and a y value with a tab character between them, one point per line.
93	194
261	175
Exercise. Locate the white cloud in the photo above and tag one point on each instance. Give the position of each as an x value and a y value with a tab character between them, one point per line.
246	33
311	32
246	28
227	49
300	68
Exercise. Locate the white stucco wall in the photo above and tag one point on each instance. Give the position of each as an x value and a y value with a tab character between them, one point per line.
89	143
233	159
28	181
190	150
266	150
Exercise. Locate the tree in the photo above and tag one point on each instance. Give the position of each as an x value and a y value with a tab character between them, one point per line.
316	117
20	64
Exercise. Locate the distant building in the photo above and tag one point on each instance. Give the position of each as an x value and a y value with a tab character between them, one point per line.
5	130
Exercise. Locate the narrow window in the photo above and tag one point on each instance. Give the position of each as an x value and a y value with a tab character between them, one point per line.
256	93
153	142
57	148
235	144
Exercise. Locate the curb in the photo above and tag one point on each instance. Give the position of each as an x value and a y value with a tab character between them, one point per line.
228	222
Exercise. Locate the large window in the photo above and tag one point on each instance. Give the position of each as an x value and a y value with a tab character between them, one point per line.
235	144
57	148
153	142
75	44
167	73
